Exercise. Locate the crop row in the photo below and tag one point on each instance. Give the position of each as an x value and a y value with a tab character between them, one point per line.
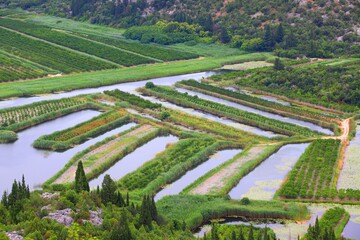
313	175
64	139
14	69
254	101
132	99
14	115
93	48
252	119
171	163
47	54
151	50
206	125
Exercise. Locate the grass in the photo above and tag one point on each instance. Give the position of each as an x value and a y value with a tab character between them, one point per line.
247	65
195	210
109	77
76	26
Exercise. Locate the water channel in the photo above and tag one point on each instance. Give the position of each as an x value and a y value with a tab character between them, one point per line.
263	181
214	161
136	159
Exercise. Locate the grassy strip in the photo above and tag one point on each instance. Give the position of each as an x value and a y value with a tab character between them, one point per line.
50	116
222	110
169	165
7	136
74	159
84	131
239	174
181	168
109	77
95	172
195	210
132	99
190	121
258	103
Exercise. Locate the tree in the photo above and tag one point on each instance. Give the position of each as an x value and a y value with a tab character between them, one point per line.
121	230
108	188
279	37
268	38
278	65
224	35
81	184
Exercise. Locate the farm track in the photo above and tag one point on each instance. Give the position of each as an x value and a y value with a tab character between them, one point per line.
217	181
69	175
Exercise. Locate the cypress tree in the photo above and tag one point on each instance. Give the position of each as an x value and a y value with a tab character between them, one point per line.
81	184
108	188
145	212
121	230
127	199
119	200
278	65
279	37
268	38
224	35
153	210
4	199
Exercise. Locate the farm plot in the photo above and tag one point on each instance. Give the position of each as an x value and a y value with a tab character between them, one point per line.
241	116
149	50
169	165
224	178
80	133
93	48
99	157
49	55
194	122
132	99
314	175
256	102
13	69
18	118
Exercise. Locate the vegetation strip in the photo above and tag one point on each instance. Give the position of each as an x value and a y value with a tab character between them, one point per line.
196	210
99	157
206	125
313	176
222	179
80	133
108	77
259	103
229	112
330	226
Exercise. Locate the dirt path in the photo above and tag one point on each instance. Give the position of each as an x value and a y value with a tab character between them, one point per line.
218	180
69	174
345	130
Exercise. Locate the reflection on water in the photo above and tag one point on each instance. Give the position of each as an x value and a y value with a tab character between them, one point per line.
38	165
263	181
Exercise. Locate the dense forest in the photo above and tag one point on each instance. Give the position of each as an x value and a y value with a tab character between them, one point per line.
320	28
